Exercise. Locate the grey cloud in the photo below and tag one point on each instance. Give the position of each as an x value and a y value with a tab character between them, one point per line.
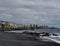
31	11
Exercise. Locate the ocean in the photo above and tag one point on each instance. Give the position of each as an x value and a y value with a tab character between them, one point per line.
52	31
47	38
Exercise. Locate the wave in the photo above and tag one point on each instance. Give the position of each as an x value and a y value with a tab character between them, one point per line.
48	38
53	38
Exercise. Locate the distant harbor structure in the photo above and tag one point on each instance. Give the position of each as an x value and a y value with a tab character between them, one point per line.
4	25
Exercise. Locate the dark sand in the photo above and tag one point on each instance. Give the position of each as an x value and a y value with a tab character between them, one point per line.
14	39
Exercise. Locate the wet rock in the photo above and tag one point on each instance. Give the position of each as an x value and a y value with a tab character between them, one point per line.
55	35
26	32
44	34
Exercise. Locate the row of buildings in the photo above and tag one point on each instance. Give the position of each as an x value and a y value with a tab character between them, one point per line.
8	25
4	25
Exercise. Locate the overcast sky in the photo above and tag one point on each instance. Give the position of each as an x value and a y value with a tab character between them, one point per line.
31	11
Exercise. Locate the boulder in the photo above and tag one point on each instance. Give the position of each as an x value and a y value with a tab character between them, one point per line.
55	35
44	34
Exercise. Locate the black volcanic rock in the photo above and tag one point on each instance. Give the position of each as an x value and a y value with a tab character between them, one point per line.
44	34
55	35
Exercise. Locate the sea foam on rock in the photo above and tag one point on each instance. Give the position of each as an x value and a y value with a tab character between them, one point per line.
44	34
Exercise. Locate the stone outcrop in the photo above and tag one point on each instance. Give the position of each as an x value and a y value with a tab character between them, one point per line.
44	34
54	34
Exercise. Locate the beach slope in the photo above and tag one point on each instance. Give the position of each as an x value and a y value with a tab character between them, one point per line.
16	39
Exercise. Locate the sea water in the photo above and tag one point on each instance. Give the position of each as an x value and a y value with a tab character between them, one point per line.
51	37
51	31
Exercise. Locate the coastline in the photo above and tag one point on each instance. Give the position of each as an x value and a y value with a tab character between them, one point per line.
17	39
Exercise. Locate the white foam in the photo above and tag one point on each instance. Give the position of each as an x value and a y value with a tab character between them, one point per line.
53	39
15	31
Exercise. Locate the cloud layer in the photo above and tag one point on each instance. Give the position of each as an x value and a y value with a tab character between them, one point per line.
31	11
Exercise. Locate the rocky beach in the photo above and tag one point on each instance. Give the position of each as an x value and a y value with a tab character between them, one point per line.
17	39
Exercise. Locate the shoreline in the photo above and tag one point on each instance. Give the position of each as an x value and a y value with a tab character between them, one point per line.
17	39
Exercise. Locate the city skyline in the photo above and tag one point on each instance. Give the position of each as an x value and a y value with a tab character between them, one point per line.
31	11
